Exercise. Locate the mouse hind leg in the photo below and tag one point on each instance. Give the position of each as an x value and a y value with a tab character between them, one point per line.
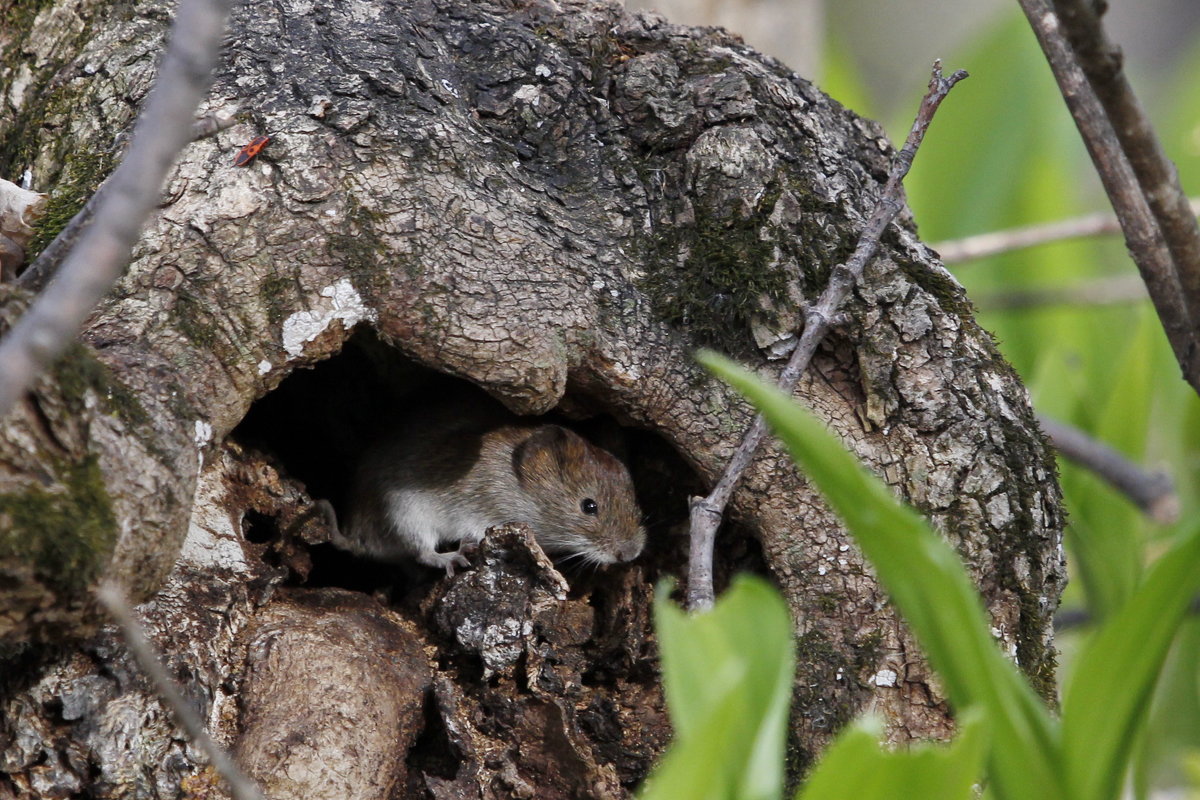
447	561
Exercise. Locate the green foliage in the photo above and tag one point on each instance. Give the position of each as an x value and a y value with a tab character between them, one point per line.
856	767
1107	698
928	584
728	680
727	673
1002	154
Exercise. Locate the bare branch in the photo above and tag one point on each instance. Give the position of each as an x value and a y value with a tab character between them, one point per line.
1101	61
44	266
36	274
1101	292
706	512
1068	619
1152	492
113	599
103	251
1143	236
985	245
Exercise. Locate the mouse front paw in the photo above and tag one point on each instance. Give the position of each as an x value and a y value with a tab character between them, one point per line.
447	561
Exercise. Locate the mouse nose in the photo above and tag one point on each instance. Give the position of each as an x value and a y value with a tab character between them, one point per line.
630	550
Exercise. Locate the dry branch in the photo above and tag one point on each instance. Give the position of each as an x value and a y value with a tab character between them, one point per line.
1116	290
1112	145
1101	61
113	599
994	243
103	251
1152	492
36	274
706	512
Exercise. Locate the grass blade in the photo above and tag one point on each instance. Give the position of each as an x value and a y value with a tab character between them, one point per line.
728	680
1108	697
929	585
856	766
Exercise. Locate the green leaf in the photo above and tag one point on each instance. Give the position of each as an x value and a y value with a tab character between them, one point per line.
1171	732
929	585
1107	699
728	680
855	766
1104	532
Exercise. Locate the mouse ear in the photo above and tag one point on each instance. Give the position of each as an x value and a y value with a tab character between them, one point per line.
540	457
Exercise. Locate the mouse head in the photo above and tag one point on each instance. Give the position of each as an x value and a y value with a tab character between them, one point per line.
583	497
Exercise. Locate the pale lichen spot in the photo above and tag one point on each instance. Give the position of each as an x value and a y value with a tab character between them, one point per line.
212	538
885	677
344	304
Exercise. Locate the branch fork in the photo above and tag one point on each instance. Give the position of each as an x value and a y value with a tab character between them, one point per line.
706	513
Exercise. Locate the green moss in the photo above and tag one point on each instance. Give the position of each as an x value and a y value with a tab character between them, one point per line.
363	251
66	533
949	295
48	101
78	371
17	16
194	321
709	279
81	176
273	291
1023	541
818	667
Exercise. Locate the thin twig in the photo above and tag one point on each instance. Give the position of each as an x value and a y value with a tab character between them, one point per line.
102	254
985	245
1152	492
113	599
706	512
1070	618
1143	235
1101	292
36	274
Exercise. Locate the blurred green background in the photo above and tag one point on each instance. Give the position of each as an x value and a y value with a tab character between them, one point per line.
1003	152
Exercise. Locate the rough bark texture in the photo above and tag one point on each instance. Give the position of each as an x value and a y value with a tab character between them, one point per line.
557	202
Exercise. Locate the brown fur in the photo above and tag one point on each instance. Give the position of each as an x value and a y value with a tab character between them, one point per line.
448	476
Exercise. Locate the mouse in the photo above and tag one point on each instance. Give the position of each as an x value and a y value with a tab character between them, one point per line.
444	477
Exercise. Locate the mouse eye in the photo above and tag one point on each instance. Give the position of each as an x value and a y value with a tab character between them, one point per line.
588	506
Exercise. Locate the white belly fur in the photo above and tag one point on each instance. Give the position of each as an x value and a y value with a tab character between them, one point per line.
427	520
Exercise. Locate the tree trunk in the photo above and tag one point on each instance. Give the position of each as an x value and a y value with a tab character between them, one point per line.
557	202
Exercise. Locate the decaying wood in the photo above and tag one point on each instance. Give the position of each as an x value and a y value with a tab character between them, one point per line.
557	202
20	209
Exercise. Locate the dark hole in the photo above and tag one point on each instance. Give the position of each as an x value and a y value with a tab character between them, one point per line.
432	754
258	528
319	420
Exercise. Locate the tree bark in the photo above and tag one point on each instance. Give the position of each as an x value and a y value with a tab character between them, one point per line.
556	202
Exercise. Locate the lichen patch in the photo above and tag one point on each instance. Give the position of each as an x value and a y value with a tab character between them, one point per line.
345	304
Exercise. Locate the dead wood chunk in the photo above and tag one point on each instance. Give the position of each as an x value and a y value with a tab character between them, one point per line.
489	611
333	697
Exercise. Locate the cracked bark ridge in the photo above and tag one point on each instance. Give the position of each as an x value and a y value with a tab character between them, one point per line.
557	202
